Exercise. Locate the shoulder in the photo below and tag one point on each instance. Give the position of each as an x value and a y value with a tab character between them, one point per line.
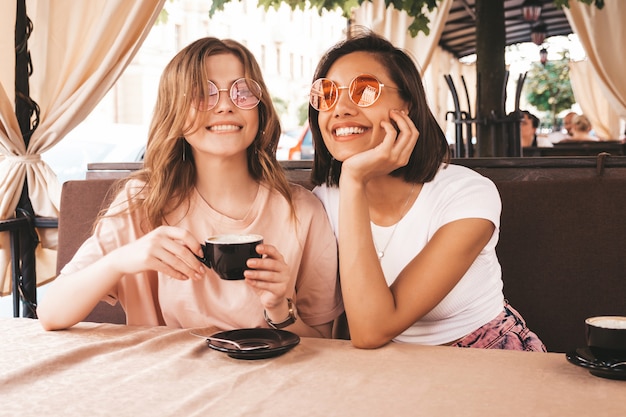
326	193
456	182
304	198
125	193
458	175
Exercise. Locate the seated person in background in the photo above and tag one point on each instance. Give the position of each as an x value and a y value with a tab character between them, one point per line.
581	128
528	132
568	122
528	129
559	136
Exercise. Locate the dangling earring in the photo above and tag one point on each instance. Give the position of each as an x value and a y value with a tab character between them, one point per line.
184	149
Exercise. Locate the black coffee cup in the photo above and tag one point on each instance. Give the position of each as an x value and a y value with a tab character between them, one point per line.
227	254
606	336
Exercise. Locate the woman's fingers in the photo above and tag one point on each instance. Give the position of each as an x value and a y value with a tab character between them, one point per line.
174	256
169	250
269	275
399	141
269	267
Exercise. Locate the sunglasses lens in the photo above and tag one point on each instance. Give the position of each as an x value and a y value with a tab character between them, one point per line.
323	94
207	102
364	90
246	94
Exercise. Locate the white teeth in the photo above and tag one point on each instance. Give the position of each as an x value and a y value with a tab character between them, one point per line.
345	131
223	128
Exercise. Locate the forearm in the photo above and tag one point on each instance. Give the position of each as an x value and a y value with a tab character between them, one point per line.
368	300
71	297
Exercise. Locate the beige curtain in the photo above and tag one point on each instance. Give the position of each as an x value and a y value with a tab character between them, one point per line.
429	57
593	102
393	25
78	51
602	34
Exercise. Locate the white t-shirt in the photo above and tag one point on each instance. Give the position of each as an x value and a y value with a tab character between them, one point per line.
455	193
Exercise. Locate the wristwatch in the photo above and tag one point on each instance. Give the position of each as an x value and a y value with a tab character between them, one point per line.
291	319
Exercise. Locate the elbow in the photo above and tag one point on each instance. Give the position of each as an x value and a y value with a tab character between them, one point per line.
368	341
50	325
47	322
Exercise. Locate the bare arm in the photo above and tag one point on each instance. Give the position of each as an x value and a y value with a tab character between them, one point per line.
270	280
72	296
423	283
426	280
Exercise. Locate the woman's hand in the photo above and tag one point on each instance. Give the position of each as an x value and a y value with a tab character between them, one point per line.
166	249
269	276
392	153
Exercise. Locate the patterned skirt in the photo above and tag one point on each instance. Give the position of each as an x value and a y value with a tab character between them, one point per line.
507	331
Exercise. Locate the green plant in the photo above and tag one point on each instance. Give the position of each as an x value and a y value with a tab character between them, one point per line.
548	86
280	105
303	113
414	8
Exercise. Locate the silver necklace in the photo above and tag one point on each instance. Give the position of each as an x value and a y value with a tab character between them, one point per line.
229	215
381	253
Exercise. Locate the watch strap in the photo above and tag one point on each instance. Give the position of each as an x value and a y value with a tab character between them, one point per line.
291	318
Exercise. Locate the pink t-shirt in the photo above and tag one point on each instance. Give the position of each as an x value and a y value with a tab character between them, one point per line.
150	298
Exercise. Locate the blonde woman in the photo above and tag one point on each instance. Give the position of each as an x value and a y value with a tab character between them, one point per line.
210	168
581	129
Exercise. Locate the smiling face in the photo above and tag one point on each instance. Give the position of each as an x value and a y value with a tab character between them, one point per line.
346	128
225	130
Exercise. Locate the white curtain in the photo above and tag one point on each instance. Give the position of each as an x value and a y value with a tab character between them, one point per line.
602	33
593	102
78	50
393	25
432	61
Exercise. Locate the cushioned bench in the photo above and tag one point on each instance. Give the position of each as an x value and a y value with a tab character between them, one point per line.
561	249
562	238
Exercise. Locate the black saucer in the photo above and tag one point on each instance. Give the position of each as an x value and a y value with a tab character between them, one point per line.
599	367
278	342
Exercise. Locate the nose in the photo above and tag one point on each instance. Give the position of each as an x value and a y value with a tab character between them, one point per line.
344	105
223	99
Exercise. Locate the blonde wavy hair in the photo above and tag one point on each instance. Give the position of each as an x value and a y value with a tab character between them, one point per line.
169	180
581	123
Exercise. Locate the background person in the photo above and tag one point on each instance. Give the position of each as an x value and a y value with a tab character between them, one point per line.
581	129
567	122
528	129
566	132
210	168
417	236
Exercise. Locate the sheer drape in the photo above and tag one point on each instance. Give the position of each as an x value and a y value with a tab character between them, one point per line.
430	58
393	25
602	33
78	50
593	102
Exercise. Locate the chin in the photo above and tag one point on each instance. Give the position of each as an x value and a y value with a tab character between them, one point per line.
341	156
